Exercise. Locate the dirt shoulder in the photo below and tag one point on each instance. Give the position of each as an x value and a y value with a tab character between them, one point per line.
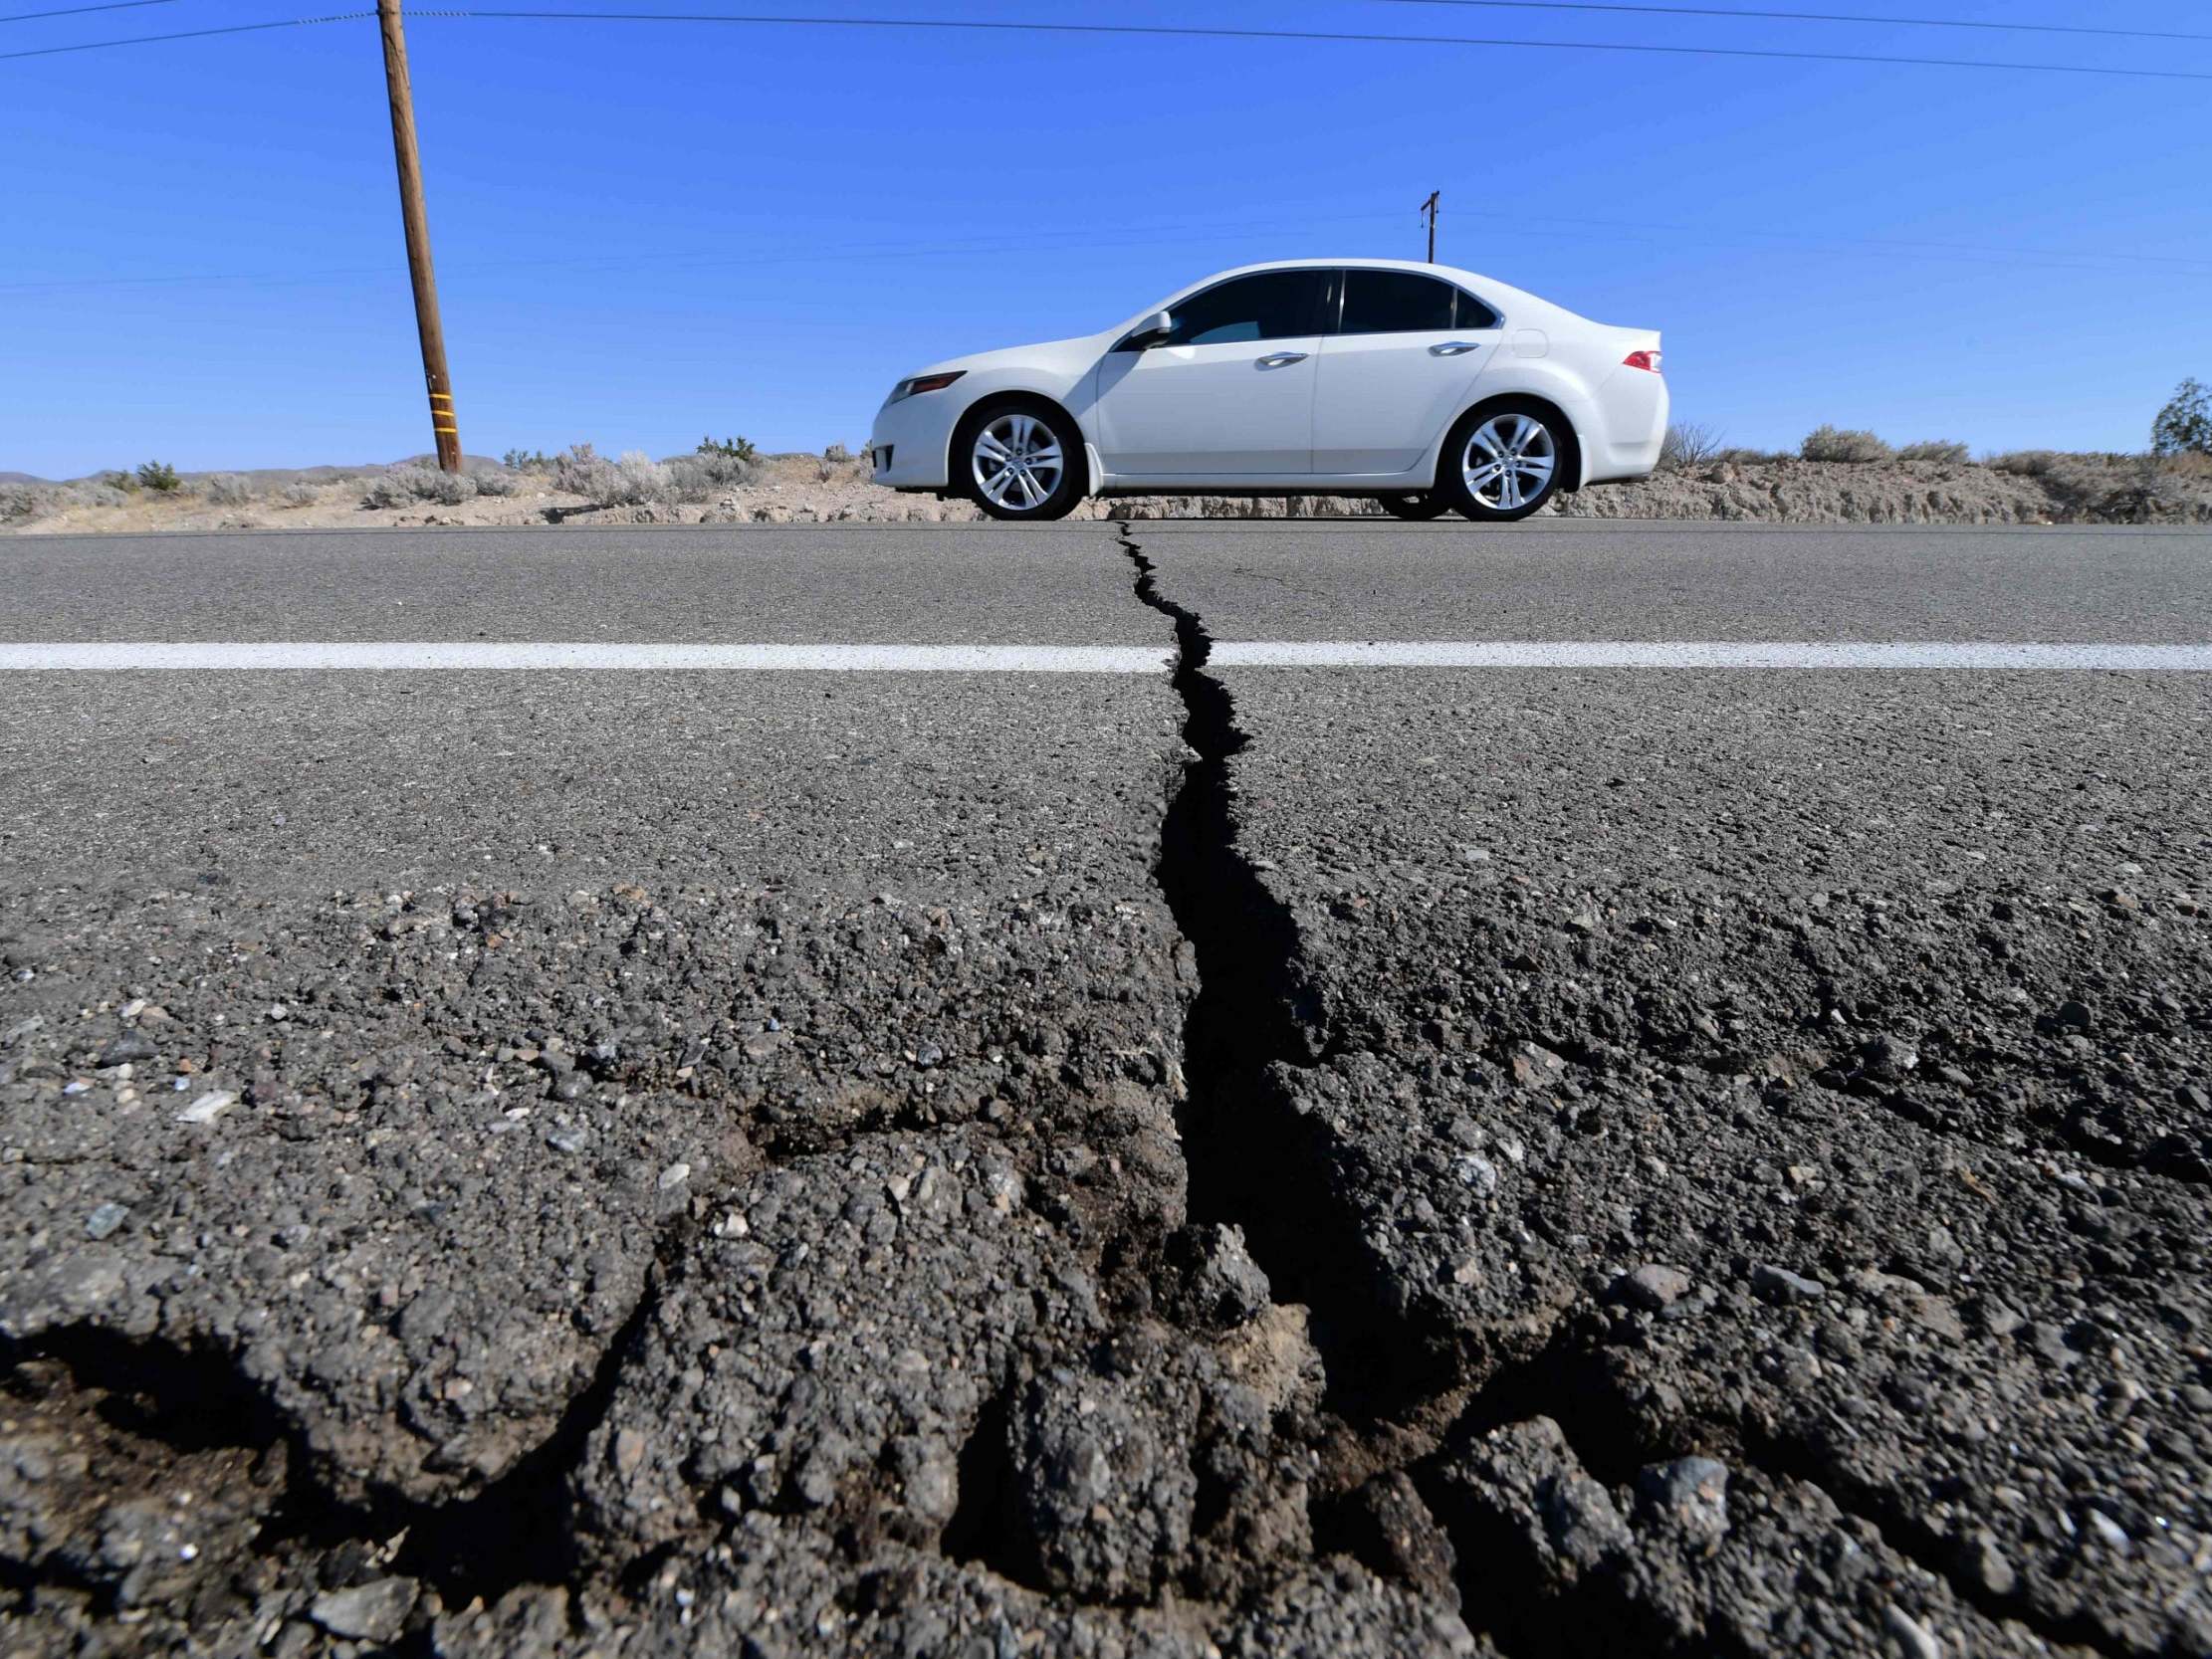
2037	488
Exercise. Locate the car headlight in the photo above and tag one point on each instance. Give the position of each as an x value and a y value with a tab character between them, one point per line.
924	383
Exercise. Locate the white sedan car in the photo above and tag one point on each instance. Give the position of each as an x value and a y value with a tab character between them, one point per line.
1428	387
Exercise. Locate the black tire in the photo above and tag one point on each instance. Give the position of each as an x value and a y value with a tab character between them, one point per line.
1524	487
1415	505
1002	420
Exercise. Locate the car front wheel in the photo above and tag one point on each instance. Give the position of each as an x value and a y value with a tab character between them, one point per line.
1504	462
1019	462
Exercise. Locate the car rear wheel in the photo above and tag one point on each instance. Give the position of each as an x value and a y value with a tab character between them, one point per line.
1414	505
1504	462
1020	461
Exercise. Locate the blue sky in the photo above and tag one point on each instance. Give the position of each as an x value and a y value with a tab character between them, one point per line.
646	232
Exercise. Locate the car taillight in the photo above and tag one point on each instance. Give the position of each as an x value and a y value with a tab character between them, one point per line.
1641	359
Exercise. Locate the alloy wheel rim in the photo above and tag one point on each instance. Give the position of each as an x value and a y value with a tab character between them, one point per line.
1509	460
1017	461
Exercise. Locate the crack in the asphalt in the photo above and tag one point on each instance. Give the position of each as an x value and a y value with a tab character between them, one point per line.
1567	1382
2169	1158
181	1398
1253	1161
518	1530
1909	1535
1497	1570
1403	1393
1395	1388
175	1398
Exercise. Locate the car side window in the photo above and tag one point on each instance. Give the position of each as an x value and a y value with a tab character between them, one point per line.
1395	302
1473	313
1269	305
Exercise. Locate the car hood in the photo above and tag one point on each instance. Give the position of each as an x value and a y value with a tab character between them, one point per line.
1080	351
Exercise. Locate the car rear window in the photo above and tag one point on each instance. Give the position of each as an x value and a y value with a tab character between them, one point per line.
1407	302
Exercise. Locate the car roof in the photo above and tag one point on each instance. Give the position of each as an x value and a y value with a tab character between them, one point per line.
1485	287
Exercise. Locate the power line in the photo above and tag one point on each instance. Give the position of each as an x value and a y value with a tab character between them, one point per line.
1137	234
1548	6
73	11
191	33
1813	17
1171	32
1046	240
1197	33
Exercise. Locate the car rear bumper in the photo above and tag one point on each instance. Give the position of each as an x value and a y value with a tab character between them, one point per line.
1632	410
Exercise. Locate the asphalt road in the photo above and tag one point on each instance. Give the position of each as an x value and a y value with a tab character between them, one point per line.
1580	580
1268	1160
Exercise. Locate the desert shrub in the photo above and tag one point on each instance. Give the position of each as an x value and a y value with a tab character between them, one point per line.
1752	457
299	493
2116	489
736	449
403	486
687	478
123	483
643	479
1827	443
229	490
159	475
526	461
2185	425
2104	488
392	489
581	470
837	454
696	476
490	481
1934	449
24	501
1688	445
631	480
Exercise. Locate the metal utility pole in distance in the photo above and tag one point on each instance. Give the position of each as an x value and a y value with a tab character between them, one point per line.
417	219
1428	212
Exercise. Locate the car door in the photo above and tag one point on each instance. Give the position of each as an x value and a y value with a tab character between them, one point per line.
1404	353
1228	390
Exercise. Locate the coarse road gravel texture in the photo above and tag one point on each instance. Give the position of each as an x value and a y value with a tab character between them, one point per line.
1255	1160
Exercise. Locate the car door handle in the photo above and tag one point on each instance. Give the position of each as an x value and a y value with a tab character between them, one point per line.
1454	348
1282	359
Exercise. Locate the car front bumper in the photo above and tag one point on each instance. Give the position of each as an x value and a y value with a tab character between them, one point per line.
916	432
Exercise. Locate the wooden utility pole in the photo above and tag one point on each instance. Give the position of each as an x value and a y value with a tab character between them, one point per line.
417	219
1428	212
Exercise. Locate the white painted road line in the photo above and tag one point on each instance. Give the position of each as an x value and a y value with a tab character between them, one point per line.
1977	653
116	656
484	653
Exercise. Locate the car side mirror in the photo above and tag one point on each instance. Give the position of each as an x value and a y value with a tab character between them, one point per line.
1153	330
